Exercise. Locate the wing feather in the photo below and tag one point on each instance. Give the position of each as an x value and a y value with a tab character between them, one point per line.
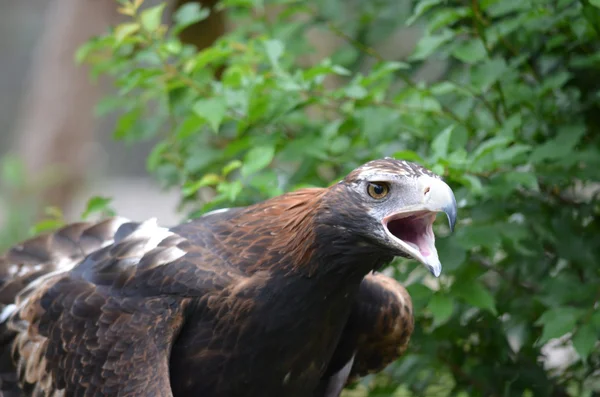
50	252
105	326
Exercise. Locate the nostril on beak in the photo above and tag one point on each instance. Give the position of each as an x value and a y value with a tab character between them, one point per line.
427	189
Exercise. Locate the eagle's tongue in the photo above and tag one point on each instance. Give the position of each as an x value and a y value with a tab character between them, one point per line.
430	255
424	240
422	236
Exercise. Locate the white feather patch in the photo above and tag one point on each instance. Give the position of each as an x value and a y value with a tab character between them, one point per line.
148	232
151	232
150	235
213	212
338	381
7	311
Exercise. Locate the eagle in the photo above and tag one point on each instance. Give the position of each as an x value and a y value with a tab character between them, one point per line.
280	298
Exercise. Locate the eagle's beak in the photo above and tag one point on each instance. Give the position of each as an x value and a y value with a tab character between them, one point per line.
441	199
412	228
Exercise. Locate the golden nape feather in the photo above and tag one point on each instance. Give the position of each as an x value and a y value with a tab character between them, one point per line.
280	298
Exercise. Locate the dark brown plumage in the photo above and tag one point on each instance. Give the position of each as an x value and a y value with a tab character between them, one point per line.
276	299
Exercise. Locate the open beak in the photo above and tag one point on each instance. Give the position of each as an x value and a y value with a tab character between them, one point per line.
412	228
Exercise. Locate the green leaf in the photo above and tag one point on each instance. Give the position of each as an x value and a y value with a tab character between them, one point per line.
442	88
421	8
557	322
489	146
340	144
188	14
189	126
266	182
230	190
125	30
488	73
408	155
210	55
377	123
155	157
126	123
274	50
97	204
591	13
190	188
340	70
53	212
476	236
231	166
528	180
151	17
108	105
440	144
420	296
305	147
445	17
331	129
441	307
561	146
429	44
319	71
382	70
451	254
472	182
504	7
258	158
47	225
512	154
475	294
356	91
555	81
471	51
212	110
510	125
84	51
585	340
438	169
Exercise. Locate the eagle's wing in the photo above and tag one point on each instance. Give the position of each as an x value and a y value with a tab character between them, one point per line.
33	258
74	337
49	252
105	327
377	333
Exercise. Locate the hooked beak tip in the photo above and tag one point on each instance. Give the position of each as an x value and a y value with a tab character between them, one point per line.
441	199
451	212
435	270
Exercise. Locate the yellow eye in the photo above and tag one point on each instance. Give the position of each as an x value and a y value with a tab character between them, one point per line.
378	190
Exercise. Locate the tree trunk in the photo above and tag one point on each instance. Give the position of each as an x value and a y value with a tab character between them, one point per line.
56	126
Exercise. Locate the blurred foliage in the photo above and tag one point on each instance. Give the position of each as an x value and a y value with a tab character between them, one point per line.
18	206
15	220
19	193
511	125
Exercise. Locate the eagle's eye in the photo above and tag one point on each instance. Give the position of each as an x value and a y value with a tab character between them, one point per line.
378	190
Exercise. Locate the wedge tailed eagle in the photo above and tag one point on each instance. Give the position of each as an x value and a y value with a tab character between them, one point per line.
280	298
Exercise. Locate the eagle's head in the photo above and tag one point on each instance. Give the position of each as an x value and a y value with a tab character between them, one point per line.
393	205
